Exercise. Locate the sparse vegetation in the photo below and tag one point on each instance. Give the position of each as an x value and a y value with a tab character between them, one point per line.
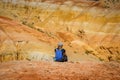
109	58
40	30
81	34
17	54
75	52
110	3
101	59
88	52
31	25
24	22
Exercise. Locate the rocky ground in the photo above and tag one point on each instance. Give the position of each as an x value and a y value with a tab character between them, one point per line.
26	70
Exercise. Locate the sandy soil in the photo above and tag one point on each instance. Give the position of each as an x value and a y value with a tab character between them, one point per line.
25	70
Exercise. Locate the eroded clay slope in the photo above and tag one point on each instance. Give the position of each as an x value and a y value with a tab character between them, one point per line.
90	31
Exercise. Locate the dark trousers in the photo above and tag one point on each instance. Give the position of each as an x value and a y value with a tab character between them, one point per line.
64	59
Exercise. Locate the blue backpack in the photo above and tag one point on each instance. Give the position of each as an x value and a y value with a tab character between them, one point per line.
58	55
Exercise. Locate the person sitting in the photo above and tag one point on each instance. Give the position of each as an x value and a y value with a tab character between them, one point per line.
60	53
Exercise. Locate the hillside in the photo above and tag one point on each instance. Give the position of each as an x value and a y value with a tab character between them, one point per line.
19	42
88	32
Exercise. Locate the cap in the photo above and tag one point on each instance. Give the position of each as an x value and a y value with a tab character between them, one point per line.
60	44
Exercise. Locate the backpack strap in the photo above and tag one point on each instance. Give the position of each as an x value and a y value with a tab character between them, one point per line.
63	52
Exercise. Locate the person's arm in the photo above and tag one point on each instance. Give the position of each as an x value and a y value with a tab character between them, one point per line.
55	50
63	52
65	59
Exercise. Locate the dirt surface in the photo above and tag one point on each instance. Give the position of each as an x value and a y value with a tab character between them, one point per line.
25	70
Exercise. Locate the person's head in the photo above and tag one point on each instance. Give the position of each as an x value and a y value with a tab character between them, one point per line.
60	45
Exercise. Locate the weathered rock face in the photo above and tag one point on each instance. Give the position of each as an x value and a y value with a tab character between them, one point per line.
82	27
19	42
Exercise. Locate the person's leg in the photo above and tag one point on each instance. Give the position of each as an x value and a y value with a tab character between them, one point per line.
65	58
54	59
58	60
